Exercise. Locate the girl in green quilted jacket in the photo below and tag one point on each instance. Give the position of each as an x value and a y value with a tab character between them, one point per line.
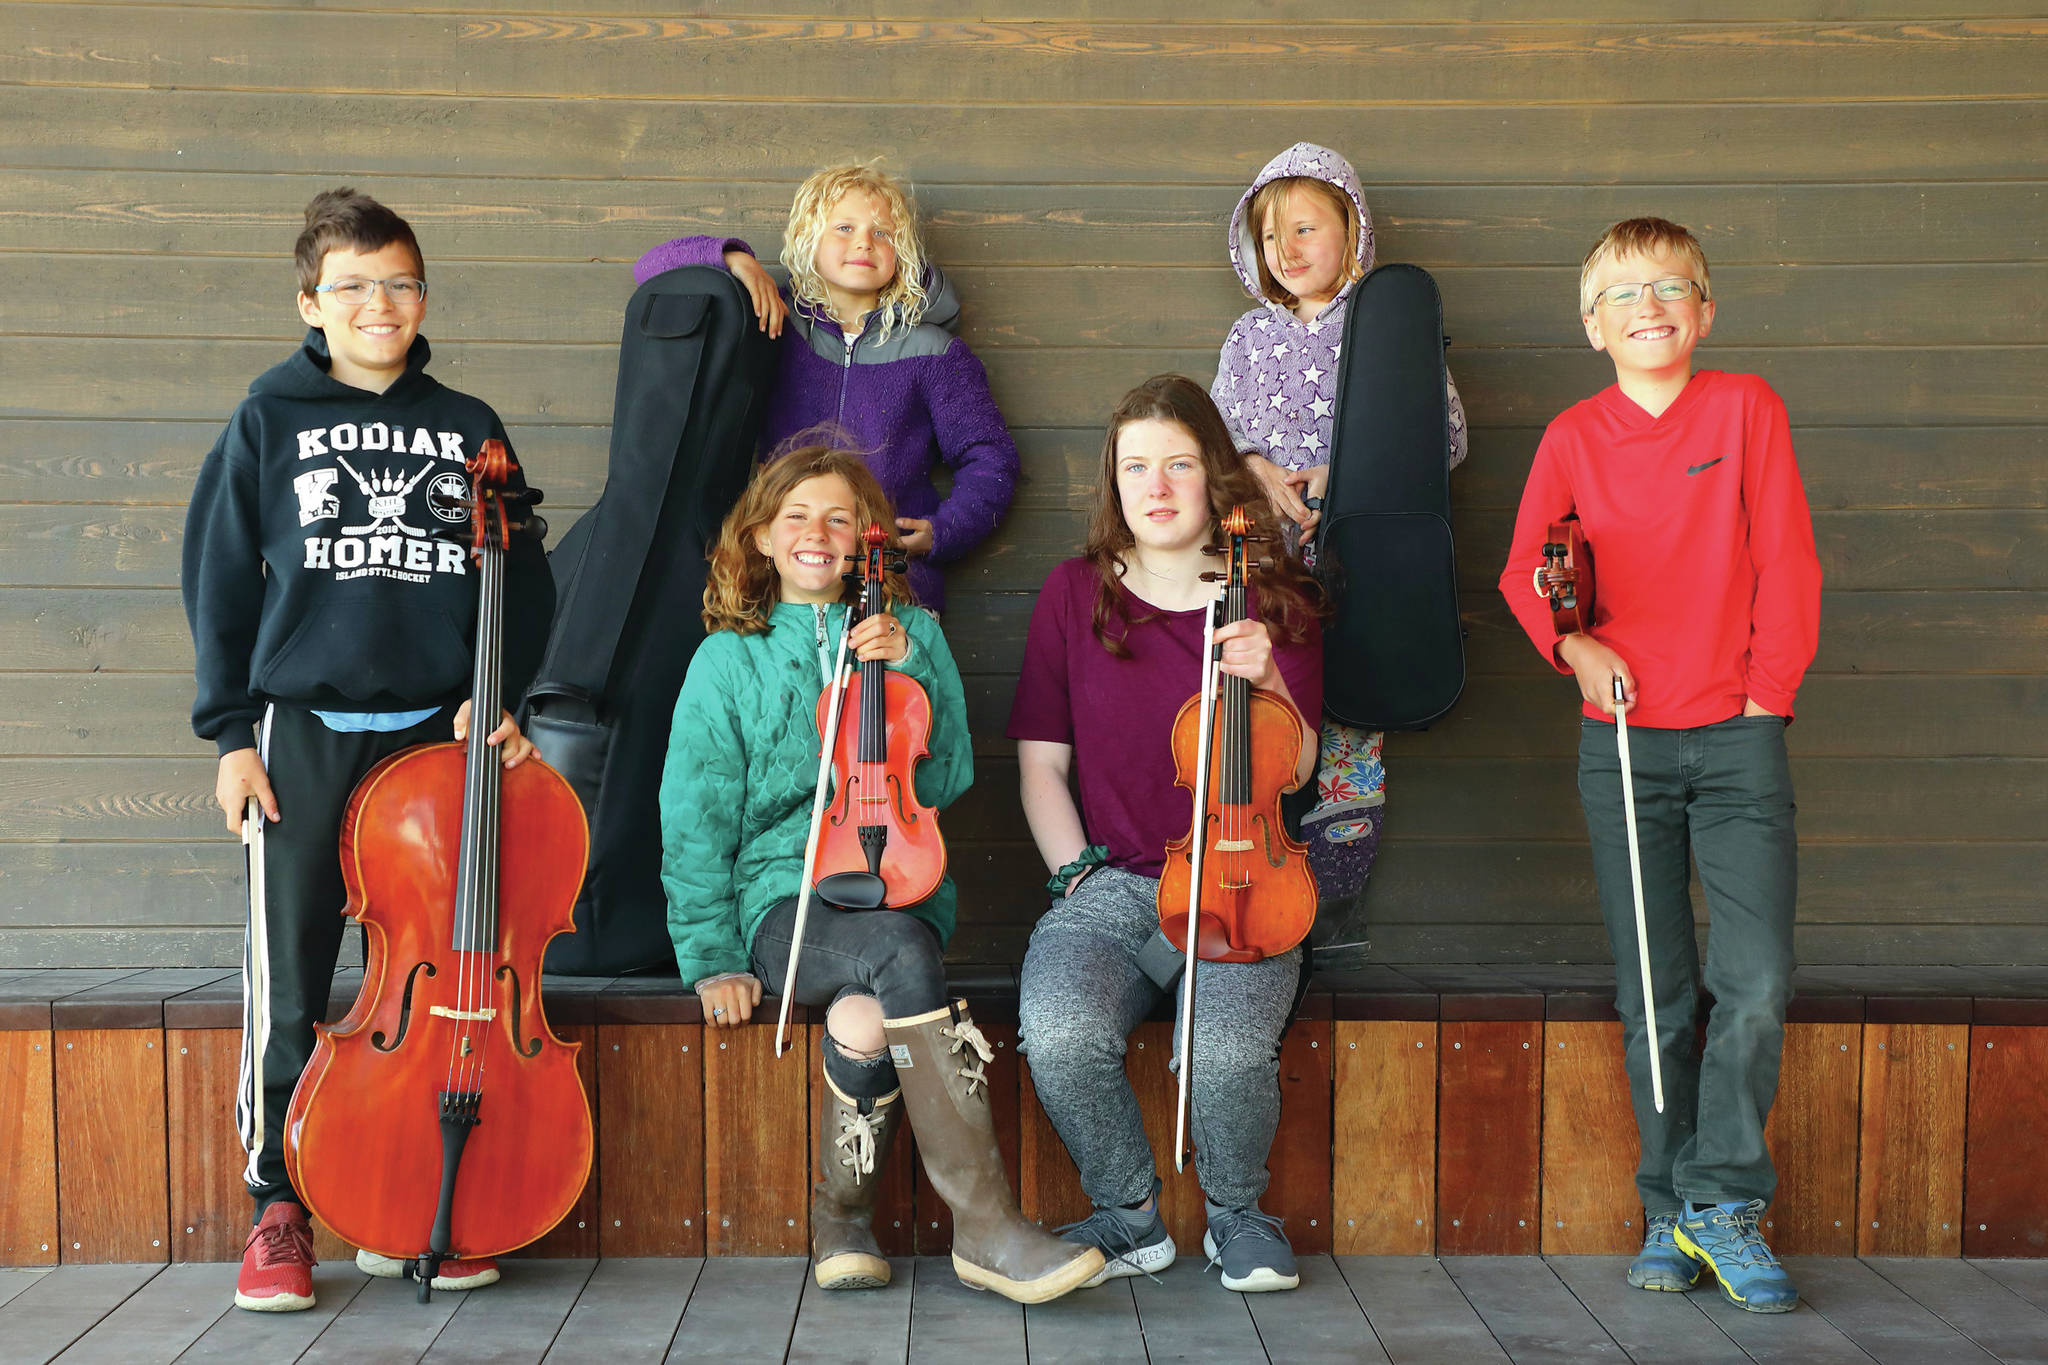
736	799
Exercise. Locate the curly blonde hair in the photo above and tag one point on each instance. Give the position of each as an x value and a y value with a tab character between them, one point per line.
741	589
903	301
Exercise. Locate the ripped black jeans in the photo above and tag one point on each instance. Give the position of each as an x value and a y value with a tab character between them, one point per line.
892	956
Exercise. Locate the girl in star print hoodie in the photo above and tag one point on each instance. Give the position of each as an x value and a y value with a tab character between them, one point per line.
1301	240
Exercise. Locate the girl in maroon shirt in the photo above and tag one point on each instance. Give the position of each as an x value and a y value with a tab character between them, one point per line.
1115	649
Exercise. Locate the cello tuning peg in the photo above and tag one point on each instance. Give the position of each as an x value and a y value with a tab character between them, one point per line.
1263	565
1211	576
1214	550
1257	540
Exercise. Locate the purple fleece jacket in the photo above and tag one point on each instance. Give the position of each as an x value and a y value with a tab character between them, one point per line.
918	397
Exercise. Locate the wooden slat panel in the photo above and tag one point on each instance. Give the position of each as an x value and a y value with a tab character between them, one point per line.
1489	1118
113	1183
143	630
1089	64
62	545
1042	386
1055	305
1812	1135
209	1205
2005	1192
577	1235
756	1185
527	216
1590	1144
1270	12
1909	1198
28	1149
1383	1132
1843	468
1214	144
1300	1162
650	1139
1049	1188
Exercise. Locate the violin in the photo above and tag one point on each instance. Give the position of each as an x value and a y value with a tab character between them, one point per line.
875	824
1257	897
442	1119
1565	578
877	846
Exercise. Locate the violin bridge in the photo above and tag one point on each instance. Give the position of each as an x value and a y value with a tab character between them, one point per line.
1234	846
480	1016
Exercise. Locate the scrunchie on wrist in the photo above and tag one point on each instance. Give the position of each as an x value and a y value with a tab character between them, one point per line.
1092	856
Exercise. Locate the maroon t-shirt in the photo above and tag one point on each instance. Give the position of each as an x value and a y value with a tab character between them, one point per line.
1118	713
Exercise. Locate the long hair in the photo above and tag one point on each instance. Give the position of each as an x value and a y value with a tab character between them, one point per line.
1272	198
741	589
903	301
1288	598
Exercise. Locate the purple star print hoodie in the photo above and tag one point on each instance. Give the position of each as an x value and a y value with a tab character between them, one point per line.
909	400
1276	381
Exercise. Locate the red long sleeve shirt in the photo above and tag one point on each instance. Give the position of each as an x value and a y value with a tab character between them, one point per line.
1705	578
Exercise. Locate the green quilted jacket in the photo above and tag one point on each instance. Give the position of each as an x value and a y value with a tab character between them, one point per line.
743	768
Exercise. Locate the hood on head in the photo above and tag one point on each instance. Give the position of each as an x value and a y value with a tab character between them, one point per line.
1306	160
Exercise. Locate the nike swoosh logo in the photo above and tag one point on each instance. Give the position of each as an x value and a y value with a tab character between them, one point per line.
1708	465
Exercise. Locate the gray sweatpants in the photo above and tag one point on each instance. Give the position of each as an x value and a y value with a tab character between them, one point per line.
1081	995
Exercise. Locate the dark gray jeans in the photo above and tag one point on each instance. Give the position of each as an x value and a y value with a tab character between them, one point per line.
1726	791
884	953
1080	996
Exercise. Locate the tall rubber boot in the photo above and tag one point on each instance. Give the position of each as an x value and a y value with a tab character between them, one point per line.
852	1147
939	1059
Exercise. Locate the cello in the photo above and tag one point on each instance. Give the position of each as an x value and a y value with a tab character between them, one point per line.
442	1119
875	846
1238	876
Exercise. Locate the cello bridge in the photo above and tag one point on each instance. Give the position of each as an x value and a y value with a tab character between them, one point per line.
1234	846
481	1016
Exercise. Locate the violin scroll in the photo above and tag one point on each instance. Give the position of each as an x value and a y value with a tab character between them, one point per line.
1565	578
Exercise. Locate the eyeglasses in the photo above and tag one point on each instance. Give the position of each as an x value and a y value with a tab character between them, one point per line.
402	291
1670	290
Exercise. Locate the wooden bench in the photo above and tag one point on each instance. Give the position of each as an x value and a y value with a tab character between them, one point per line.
1425	1109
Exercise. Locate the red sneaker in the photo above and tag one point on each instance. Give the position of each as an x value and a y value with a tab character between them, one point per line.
277	1262
452	1275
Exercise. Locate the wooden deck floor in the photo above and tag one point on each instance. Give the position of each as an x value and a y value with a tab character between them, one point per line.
1462	1311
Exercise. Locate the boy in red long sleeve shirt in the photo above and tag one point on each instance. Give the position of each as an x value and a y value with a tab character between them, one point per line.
1708	611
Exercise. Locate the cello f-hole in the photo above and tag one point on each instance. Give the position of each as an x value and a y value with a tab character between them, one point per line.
524	1047
404	1010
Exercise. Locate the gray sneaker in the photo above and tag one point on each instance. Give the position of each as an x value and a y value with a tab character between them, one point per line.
1251	1249
1132	1243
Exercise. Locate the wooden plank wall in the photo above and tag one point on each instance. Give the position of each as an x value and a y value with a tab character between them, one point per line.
1866	178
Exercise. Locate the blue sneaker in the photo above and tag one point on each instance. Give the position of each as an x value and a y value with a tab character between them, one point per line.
1660	1264
1725	1237
1251	1249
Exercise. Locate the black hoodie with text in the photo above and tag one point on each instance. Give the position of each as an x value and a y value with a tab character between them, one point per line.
319	570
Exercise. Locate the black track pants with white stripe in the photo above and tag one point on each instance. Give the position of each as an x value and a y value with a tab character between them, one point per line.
295	924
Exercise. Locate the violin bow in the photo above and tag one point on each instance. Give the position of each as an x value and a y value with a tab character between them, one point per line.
841	677
1635	876
1197	842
